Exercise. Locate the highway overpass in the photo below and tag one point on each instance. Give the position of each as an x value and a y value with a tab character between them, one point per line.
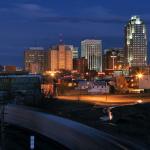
70	134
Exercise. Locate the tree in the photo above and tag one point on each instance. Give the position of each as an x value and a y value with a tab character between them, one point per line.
121	83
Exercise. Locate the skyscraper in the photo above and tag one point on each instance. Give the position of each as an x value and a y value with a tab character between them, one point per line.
136	42
60	57
92	51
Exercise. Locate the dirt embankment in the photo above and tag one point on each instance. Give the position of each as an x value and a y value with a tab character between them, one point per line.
133	121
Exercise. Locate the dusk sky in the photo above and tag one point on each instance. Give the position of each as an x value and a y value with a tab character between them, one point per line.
27	23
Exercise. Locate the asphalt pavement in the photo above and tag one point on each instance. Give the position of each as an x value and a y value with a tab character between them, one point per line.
17	138
112	100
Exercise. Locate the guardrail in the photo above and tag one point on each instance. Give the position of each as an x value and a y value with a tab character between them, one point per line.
71	134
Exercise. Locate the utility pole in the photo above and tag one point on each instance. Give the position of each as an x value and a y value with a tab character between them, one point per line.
79	93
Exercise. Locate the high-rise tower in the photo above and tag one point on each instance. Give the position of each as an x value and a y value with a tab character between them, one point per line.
92	51
136	42
60	58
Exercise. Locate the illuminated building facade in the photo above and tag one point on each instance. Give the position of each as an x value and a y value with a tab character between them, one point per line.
35	60
60	58
75	52
136	42
92	51
53	59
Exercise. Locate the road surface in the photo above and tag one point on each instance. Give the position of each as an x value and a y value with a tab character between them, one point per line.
69	133
17	138
108	99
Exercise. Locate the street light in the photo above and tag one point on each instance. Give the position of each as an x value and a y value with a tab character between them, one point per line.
52	75
53	83
139	75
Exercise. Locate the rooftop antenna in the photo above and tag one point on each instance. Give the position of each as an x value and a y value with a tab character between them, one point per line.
61	38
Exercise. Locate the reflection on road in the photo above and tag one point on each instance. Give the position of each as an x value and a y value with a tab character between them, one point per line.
112	100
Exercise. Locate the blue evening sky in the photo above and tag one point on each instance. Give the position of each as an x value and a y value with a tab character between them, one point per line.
25	23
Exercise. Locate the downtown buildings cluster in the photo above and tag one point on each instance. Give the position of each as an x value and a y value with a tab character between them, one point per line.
65	57
92	57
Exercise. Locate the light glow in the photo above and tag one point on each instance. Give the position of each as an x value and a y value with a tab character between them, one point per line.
139	75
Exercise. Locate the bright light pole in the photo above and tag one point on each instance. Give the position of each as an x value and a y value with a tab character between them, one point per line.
139	76
52	76
87	75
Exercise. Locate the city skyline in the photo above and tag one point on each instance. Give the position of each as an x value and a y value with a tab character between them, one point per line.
38	23
74	74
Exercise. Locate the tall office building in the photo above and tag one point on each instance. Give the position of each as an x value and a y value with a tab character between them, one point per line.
75	55
92	51
53	59
36	60
136	42
60	57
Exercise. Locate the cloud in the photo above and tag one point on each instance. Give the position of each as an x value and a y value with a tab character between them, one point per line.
98	11
97	14
9	54
27	10
61	19
34	10
108	16
39	13
102	14
30	7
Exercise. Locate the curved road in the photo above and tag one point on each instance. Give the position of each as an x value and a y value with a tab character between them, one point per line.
71	134
107	100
